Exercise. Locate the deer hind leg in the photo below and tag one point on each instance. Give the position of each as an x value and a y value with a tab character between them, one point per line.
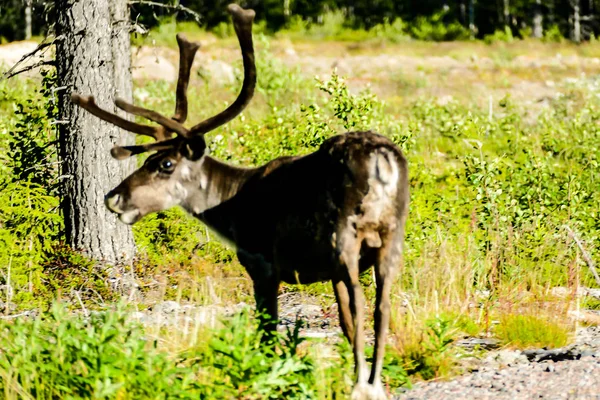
346	317
386	266
351	304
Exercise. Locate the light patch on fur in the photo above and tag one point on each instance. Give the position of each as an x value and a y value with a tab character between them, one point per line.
203	180
186	173
203	174
180	192
383	185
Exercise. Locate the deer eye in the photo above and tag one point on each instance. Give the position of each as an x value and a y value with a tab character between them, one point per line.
166	166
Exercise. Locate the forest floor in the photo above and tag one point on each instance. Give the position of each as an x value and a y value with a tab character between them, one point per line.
529	72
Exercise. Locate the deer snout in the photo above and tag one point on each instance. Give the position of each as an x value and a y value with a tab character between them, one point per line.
113	202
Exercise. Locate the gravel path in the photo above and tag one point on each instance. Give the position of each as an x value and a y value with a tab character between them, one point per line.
572	372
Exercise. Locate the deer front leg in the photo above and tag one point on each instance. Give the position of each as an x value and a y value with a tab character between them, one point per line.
265	294
266	287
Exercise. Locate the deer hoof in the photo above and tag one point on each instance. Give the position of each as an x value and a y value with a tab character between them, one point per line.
365	391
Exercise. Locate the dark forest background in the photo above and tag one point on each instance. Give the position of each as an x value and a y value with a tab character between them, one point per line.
576	20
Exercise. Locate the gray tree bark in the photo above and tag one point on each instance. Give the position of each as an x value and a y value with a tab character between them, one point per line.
576	31
93	57
28	6
538	19
472	27
506	12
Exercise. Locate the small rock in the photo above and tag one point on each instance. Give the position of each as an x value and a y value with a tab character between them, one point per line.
482	343
290	52
220	72
506	358
153	67
166	307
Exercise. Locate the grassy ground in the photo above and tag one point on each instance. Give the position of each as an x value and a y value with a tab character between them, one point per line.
503	157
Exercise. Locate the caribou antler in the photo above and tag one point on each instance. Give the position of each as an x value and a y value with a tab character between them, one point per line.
187	52
242	21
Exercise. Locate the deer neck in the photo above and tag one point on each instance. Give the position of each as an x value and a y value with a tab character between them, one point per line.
211	183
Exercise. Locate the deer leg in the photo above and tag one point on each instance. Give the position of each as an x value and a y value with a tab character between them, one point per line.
265	294
266	287
348	247
343	301
385	270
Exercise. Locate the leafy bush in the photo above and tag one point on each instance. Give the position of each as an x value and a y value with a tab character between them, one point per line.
553	34
30	223
436	29
240	365
504	36
106	355
103	356
430	356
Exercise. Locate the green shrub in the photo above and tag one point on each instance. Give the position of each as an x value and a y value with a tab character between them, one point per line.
102	356
434	28
504	36
528	331
553	34
240	365
105	355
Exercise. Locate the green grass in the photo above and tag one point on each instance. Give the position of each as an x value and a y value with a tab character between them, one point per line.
528	331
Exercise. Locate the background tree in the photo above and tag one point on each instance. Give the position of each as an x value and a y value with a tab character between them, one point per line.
576	21
538	18
93	57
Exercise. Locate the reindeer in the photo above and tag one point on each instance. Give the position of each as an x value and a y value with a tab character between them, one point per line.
325	216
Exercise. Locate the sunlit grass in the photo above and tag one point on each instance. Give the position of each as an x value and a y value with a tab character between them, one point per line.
529	331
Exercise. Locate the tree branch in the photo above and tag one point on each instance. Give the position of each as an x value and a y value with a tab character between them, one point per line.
584	254
177	7
10	74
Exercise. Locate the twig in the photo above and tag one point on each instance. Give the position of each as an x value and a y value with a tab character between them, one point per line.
43	165
41	46
10	74
23	314
586	256
177	7
85	311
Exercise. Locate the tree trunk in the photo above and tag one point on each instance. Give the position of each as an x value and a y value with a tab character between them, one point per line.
472	27
28	6
576	33
506	13
93	57
463	13
286	10
538	19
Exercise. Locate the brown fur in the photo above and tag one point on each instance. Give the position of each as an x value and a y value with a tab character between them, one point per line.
325	216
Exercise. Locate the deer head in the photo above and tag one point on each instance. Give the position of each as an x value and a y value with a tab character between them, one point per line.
161	182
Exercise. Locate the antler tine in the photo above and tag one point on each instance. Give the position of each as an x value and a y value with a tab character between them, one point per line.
187	52
123	152
242	22
170	124
89	104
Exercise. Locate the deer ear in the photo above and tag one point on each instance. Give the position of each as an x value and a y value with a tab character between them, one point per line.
194	148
